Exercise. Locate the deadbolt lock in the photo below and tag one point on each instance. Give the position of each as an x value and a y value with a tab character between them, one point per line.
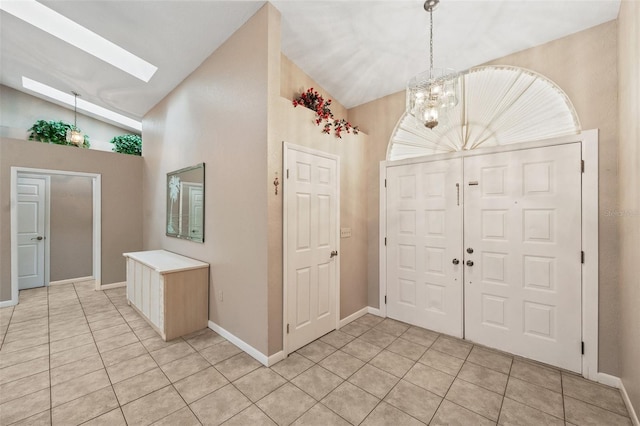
469	250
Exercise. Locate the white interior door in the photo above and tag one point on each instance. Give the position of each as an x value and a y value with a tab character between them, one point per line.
311	244
31	232
523	225
424	239
196	211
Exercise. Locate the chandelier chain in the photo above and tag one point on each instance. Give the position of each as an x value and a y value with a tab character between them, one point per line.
430	43
75	110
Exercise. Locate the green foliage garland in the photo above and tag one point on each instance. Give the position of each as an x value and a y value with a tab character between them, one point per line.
53	132
127	144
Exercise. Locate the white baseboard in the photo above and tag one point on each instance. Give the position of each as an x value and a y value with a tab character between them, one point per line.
113	285
613	381
277	357
354	316
375	311
609	380
72	281
627	402
259	356
7	303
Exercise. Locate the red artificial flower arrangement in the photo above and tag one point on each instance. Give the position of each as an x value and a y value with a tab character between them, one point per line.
314	101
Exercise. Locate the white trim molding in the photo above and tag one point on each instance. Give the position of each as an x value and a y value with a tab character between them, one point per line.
375	311
616	382
382	237
627	401
113	285
97	224
71	281
590	244
250	350
354	316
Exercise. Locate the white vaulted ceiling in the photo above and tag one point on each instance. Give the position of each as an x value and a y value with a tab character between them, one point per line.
357	50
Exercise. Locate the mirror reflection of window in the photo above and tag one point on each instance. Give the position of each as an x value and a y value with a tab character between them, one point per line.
185	203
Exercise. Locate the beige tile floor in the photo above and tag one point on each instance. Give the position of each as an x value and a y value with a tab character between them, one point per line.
71	355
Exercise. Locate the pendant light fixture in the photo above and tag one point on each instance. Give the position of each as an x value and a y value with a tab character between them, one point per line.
435	90
74	135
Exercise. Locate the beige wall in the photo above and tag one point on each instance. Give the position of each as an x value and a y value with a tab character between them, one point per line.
297	126
218	116
121	199
378	119
584	65
231	114
629	193
71	227
19	110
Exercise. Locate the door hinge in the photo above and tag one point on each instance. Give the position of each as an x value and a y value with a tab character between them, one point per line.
582	347
287	173
385	183
582	166
385	299
581	257
385	241
287	328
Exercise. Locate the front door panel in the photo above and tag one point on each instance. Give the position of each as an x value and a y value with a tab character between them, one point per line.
523	225
424	235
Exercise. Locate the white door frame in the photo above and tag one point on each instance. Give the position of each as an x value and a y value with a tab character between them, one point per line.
285	249
590	244
97	228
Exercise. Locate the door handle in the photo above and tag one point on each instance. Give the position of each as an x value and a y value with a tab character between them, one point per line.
333	254
37	238
455	261
469	262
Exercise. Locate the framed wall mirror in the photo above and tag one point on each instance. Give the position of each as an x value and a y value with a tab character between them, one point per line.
185	203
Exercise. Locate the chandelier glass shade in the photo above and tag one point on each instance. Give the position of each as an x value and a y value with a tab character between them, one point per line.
74	135
435	90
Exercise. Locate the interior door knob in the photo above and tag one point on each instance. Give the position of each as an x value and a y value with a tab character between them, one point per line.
334	253
469	262
455	261
39	238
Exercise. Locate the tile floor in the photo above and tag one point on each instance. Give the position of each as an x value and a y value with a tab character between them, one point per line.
71	355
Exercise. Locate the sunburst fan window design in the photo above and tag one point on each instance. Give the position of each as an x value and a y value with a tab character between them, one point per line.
499	105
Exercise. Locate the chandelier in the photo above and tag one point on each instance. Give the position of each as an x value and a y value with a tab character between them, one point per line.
74	135
435	90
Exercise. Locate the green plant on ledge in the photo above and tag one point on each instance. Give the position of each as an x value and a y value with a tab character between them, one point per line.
53	132
127	144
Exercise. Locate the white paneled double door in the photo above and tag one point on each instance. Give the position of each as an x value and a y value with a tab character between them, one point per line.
488	248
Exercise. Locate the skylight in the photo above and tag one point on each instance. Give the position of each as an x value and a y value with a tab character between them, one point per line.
68	99
75	34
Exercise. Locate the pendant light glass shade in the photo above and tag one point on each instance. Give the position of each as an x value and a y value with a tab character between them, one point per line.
435	90
74	135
